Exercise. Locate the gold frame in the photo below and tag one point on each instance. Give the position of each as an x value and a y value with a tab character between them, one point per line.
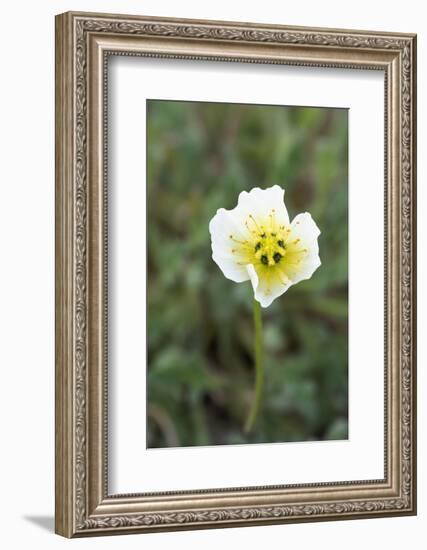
83	43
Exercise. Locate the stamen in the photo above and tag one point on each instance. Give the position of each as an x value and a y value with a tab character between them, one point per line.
254	221
296	262
271	216
237	241
283	278
249	229
264	259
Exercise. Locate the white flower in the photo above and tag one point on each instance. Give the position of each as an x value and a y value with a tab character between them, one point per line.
256	241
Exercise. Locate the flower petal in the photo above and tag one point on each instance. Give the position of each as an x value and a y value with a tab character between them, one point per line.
305	229
267	283
221	227
261	202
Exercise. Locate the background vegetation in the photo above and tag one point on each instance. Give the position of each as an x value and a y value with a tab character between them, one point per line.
200	332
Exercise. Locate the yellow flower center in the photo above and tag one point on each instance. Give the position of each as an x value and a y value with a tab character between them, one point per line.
268	244
270	248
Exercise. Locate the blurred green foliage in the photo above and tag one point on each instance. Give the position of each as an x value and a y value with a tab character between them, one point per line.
200	333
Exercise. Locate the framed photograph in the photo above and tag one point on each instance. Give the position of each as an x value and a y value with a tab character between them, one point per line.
235	274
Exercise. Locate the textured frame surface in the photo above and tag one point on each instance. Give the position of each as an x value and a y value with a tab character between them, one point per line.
83	44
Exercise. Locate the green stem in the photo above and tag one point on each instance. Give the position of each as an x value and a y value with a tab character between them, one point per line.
259	369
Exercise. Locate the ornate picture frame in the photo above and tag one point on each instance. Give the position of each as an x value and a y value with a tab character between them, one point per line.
84	42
